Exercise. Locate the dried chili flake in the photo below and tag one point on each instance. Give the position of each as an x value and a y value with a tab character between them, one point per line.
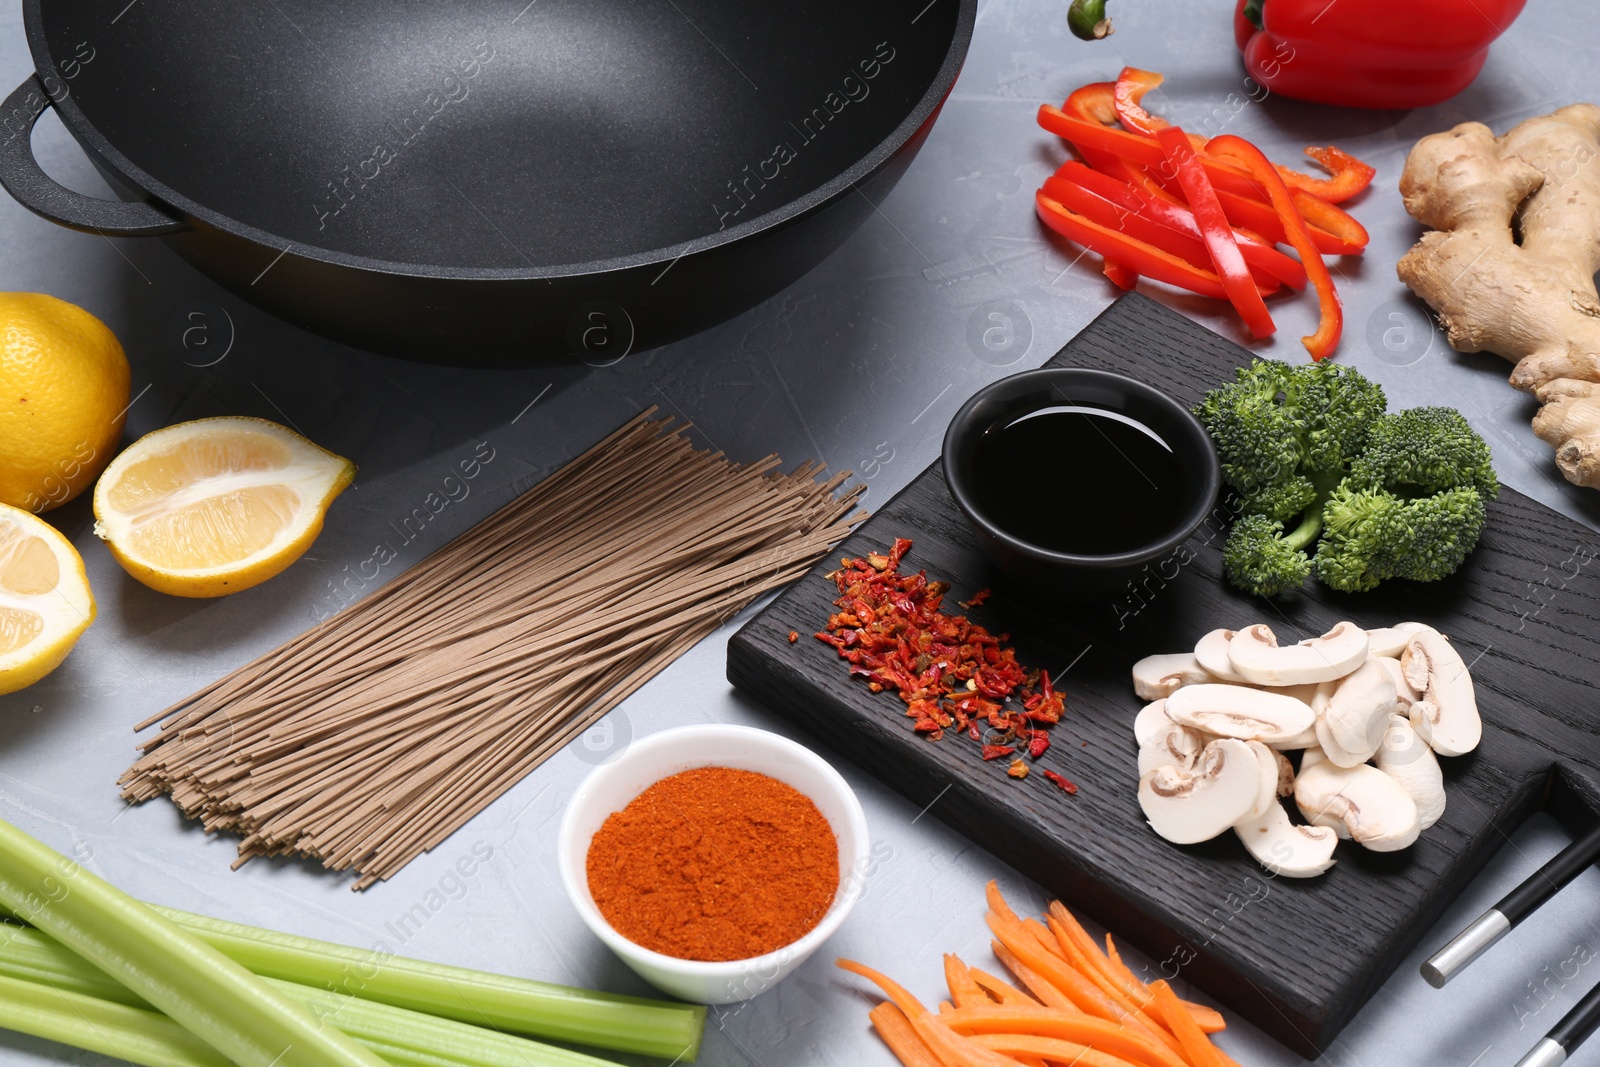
1038	742
949	671
1061	783
977	598
794	635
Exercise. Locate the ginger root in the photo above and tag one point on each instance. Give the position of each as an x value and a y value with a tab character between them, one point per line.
1570	421
1510	261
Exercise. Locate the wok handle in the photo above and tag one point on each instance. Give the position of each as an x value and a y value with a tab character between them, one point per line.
26	181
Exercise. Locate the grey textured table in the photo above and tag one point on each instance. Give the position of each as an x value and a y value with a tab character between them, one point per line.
951	284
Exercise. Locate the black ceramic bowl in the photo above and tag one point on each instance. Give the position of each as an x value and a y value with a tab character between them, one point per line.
1032	567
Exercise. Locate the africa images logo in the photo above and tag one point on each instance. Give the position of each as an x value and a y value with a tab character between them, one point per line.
853	88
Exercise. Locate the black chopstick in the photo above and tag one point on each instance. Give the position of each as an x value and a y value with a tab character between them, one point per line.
1568	1034
1518	904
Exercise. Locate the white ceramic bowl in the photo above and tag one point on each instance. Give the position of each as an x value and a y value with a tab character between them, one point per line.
610	787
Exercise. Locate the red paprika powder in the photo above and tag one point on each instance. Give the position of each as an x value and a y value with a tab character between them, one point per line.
715	864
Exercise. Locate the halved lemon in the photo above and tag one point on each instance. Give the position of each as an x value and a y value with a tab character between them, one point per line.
45	603
214	506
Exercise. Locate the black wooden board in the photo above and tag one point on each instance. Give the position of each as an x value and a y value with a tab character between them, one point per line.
1297	958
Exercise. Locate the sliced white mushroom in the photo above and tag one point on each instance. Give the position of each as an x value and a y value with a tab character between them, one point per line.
1316	697
1255	653
1151	718
1308	759
1171	746
1351	728
1285	774
1284	848
1407	759
1447	715
1239	711
1373	808
1267	789
1155	677
1187	807
1306	692
1390	641
1397	675
1212	654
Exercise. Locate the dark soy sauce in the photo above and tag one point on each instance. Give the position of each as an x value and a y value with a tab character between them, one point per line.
1080	480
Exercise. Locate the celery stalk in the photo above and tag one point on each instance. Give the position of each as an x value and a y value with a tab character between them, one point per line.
209	995
133	1034
371	1022
625	1024
140	1036
33	956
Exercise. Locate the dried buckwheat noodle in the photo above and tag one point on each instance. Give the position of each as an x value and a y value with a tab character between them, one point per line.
372	737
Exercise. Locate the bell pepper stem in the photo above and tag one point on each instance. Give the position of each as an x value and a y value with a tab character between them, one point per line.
1087	20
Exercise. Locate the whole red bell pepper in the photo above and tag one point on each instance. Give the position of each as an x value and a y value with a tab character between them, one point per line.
1369	53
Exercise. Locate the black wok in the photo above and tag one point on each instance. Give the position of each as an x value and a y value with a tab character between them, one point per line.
478	182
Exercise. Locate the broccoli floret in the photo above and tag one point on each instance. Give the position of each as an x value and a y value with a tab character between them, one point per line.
1276	423
1338	407
1258	439
1310	450
1360	539
1423	451
1372	535
1280	501
1260	559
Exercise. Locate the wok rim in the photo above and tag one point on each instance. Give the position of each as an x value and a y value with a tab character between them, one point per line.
187	210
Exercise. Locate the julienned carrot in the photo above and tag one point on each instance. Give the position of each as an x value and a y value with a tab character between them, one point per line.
1106	1017
968	994
1198	1047
1037	984
1001	990
901	1037
1115	1038
1117	980
1083	993
1209	1019
1057	1050
1135	1002
946	1044
1071	929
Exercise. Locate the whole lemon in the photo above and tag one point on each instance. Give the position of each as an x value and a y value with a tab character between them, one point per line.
63	396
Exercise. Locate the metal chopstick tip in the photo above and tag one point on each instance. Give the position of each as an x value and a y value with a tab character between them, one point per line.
1467	946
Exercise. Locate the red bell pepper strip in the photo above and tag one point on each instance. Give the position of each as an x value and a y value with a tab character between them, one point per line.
1217	231
1322	343
1189	247
1261	257
1095	103
1350	175
1120	275
1131	86
1146	259
1336	231
1369	53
